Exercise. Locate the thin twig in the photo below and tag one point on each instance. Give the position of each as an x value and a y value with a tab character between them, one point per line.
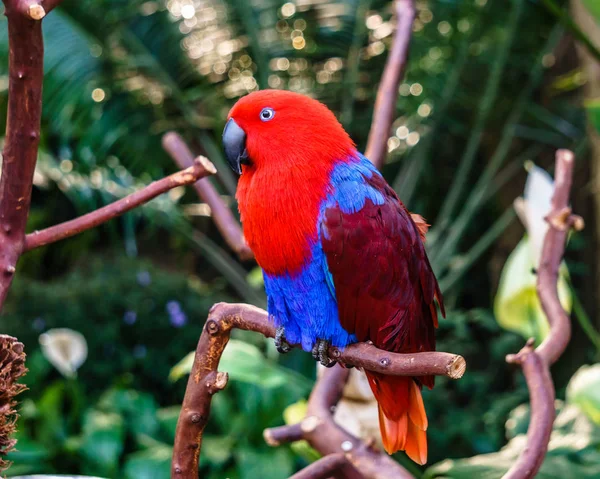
205	381
560	221
201	168
226	223
536	363
387	94
541	391
51	4
275	436
324	468
36	9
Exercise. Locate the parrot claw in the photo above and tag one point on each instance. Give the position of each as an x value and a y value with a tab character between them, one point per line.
319	352
280	342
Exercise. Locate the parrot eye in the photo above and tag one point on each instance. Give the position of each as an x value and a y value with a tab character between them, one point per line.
267	114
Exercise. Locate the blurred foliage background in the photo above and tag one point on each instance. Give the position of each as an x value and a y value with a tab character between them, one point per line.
490	87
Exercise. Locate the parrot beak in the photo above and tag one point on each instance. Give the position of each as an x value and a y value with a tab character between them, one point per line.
234	143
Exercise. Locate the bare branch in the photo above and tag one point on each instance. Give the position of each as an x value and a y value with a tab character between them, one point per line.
51	4
26	52
387	94
34	9
324	468
226	223
552	254
202	385
36	12
541	391
536	363
200	168
276	436
367	356
30	9
328	438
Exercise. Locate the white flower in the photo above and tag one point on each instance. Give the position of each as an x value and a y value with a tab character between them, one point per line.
534	207
65	349
517	306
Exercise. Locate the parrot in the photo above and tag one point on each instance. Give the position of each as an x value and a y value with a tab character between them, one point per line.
343	260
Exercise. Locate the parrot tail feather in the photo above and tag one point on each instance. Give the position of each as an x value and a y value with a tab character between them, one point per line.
402	417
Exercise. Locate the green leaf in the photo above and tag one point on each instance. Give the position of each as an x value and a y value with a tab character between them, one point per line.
572	451
296	412
183	367
593	109
584	391
216	450
167	418
28	453
246	363
255	278
517	306
154	463
102	442
139	409
518	421
293	414
53	424
594	8
253	464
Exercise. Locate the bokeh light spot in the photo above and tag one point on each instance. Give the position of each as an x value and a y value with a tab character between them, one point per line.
98	95
288	9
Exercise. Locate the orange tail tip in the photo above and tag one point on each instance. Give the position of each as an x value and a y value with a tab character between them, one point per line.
402	417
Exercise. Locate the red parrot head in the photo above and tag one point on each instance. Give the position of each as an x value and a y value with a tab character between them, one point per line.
275	127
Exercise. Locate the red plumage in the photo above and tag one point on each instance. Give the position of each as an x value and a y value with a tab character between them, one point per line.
384	286
385	291
292	158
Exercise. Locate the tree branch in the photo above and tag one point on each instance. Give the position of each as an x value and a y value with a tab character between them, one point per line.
541	391
324	468
30	9
560	221
25	66
321	431
201	167
226	223
387	94
536	363
275	436
51	4
36	9
205	381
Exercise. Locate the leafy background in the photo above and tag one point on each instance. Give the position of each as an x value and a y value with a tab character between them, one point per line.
489	86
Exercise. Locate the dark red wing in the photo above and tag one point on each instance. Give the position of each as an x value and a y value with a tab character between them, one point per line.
384	284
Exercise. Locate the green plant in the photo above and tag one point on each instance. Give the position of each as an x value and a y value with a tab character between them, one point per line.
573	448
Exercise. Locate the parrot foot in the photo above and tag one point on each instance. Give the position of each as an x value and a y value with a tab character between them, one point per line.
319	352
280	342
